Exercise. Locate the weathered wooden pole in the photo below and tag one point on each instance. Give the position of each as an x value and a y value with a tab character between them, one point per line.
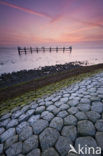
37	50
19	50
56	49
43	49
31	50
63	49
25	50
50	49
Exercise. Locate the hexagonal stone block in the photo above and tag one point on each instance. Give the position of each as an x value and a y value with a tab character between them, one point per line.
62	114
99	125
73	110
33	118
73	102
1	148
46	115
69	131
93	116
86	128
50	152
63	145
10	141
99	139
21	126
1	130
39	126
25	133
81	116
12	123
15	149
97	107
84	107
70	120
57	123
48	138
30	144
40	109
8	133
35	152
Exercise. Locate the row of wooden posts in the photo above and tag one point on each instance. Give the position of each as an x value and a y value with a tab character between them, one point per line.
25	50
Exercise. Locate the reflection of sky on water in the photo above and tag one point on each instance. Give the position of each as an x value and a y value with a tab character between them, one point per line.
10	60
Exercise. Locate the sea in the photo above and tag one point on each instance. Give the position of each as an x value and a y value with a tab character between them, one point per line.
11	61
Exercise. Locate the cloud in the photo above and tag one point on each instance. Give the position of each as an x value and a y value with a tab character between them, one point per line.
40	14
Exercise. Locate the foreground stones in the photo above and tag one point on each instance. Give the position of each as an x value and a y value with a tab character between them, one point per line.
48	126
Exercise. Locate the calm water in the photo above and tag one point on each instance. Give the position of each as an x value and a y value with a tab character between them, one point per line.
10	60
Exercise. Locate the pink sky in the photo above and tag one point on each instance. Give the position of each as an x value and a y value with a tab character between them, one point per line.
57	21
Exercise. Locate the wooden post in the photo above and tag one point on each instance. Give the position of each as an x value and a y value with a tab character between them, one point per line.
56	49
31	49
19	50
43	49
37	50
63	49
25	50
50	49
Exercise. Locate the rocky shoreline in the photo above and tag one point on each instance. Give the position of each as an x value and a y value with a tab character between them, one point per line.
13	78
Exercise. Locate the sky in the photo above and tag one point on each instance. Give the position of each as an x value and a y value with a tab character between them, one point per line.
29	22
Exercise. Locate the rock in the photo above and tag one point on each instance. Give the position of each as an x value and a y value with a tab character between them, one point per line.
34	105
14	149
1	148
86	128
57	123
48	138
12	123
21	126
93	116
8	133
39	126
40	109
56	99
33	118
84	107
25	108
73	102
25	133
58	103
70	132
63	145
48	103
1	130
73	110
6	116
81	116
62	114
47	115
70	120
51	108
17	114
85	101
10	141
35	152
30	144
50	152
30	112
4	122
64	100
23	117
86	141
64	107
99	139
99	125
97	107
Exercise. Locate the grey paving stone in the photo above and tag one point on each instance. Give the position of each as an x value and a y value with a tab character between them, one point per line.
81	116
99	125
58	103
30	144
62	114
21	126
33	118
4	122
63	145
99	139
85	100
12	123
48	138
30	112
50	152
2	130
11	140
6	116
97	107
84	107
93	116
86	128
70	120
39	126
86	141
17	114
34	105
57	123
70	132
73	102
8	133
46	115
51	108
39	109
35	152
15	149
73	110
48	103
64	100
23	117
25	133
1	148
64	107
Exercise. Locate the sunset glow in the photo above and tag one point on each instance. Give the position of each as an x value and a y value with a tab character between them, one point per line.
57	21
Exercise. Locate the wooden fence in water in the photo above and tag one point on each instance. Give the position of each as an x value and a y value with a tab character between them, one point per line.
50	49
